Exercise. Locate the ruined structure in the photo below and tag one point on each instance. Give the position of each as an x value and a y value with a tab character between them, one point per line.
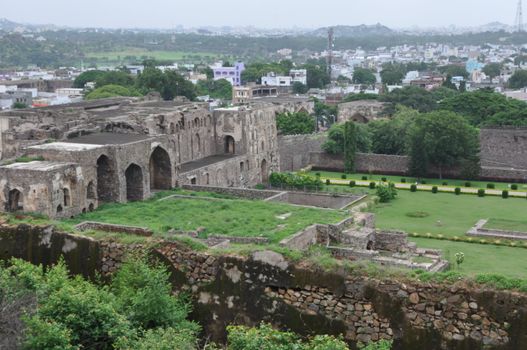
120	150
363	111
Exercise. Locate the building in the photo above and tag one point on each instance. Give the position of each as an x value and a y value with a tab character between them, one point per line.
299	75
231	74
244	94
271	79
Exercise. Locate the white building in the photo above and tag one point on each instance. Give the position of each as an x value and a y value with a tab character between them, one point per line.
271	79
298	75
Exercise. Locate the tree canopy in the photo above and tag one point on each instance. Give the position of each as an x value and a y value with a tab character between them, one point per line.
295	123
108	91
363	76
518	80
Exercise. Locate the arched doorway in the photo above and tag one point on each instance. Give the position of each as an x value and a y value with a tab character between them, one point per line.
197	145
67	198
134	183
106	180
15	201
160	170
90	191
264	171
229	145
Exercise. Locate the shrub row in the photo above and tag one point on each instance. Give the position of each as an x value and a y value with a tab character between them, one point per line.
491	280
498	242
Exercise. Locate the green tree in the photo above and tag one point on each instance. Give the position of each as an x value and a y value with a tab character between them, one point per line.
86	77
492	70
518	80
363	76
169	84
317	75
299	88
350	146
388	136
442	139
359	97
335	143
295	123
454	71
114	78
19	105
108	91
393	74
410	96
221	88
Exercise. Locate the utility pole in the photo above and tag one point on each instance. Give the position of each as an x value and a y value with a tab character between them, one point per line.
519	17
331	44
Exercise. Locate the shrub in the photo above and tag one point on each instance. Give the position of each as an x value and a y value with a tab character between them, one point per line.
372	185
353	183
423	182
344	176
514	187
413	188
317	174
384	179
491	186
386	192
403	180
445	183
364	178
294	180
481	192
434	189
505	194
457	191
328	182
468	184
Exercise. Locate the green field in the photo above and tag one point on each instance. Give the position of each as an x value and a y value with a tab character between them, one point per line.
139	54
507	225
481	259
221	216
409	180
445	213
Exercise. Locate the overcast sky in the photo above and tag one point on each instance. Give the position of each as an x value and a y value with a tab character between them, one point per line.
262	13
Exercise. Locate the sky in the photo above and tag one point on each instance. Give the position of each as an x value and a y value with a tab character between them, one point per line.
263	13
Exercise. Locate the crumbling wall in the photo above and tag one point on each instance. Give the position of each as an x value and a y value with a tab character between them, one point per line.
295	150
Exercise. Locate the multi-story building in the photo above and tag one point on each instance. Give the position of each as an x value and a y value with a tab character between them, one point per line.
231	74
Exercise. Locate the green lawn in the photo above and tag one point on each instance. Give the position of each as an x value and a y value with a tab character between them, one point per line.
479	258
445	213
508	225
226	216
409	180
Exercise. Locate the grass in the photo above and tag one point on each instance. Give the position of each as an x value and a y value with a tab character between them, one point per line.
444	213
507	225
231	217
479	258
138	54
410	180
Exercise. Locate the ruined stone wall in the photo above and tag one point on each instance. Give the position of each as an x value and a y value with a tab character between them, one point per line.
295	150
360	111
392	241
364	163
235	192
504	147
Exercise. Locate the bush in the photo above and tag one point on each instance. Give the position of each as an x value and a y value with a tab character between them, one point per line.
423	182
413	188
481	192
445	183
294	180
468	184
434	189
514	187
317	174
372	185
491	186
328	182
353	183
386	192
505	194
343	176
403	180
364	178
457	191
384	179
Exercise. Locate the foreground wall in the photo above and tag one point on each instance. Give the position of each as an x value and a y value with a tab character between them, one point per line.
265	287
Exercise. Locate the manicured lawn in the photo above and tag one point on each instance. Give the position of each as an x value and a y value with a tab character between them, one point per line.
445	213
409	180
224	216
481	259
508	225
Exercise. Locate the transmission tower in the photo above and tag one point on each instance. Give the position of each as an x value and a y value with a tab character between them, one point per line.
519	17
331	44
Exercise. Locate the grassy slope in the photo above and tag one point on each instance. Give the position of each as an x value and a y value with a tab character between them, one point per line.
228	217
457	214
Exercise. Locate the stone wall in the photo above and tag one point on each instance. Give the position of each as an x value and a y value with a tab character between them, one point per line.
321	200
364	163
295	149
360	111
233	191
392	241
504	147
98	226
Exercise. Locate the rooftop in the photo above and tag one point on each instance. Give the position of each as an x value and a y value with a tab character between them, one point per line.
105	139
37	166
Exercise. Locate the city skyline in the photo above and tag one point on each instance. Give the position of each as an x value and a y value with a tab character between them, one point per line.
276	14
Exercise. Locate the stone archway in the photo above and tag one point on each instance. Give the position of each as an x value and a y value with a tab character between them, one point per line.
230	145
264	171
160	170
134	183
15	201
106	180
67	197
90	191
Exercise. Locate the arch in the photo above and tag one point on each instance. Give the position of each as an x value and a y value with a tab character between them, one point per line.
370	245
160	170
219	177
106	180
90	191
172	128
197	144
91	207
59	209
207	178
134	183
15	201
262	148
264	172
230	146
67	197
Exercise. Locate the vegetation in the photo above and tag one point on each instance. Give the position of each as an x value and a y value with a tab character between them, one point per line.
295	123
220	89
350	146
518	80
336	142
386	192
294	180
363	76
108	91
507	225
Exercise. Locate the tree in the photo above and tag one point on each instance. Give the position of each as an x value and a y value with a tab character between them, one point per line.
393	74
518	80
221	88
295	123
492	70
363	76
169	84
108	91
114	78
350	146
19	105
442	139
299	88
317	75
454	71
388	136
86	77
410	96
359	97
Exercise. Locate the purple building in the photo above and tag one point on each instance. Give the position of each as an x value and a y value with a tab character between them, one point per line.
231	74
